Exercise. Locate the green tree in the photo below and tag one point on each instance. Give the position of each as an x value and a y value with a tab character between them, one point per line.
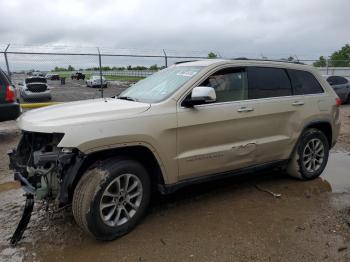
70	68
153	67
321	62
341	57
290	58
57	69
212	55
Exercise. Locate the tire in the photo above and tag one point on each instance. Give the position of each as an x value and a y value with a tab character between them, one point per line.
300	165
95	188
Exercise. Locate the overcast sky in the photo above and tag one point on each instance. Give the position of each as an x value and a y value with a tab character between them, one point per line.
274	28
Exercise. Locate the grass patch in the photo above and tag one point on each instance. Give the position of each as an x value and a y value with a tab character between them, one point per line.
108	77
124	78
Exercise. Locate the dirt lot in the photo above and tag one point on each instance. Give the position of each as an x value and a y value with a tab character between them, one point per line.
231	220
74	90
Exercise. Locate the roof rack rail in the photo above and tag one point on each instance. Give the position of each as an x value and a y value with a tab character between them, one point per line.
269	60
181	62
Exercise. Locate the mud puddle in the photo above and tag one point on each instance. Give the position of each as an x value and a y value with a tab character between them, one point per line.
227	220
9	186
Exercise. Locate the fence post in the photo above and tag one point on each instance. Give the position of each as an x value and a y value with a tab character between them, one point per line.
7	62
166	58
327	64
100	65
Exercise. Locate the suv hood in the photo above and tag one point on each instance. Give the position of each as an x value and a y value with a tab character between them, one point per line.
54	118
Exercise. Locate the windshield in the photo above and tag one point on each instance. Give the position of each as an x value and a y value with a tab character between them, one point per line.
160	85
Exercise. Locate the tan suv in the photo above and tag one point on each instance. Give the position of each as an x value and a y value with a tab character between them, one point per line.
194	121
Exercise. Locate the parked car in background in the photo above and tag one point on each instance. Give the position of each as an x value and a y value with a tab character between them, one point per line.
50	76
341	86
38	74
77	76
35	88
9	107
95	81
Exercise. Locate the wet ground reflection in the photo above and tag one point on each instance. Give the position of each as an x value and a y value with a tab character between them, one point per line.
337	172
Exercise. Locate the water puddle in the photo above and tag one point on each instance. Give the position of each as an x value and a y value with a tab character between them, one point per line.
9	186
337	172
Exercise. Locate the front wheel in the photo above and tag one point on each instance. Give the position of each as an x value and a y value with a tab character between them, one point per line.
111	199
310	157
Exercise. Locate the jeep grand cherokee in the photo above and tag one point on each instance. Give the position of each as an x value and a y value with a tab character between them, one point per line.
191	122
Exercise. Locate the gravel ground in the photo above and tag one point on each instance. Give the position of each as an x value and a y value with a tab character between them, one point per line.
235	219
75	90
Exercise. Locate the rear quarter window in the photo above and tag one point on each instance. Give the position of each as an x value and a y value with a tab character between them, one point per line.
304	82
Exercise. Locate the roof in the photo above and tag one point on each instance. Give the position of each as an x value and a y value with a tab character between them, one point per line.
208	62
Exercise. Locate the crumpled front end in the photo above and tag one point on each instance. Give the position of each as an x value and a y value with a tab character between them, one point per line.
39	164
45	172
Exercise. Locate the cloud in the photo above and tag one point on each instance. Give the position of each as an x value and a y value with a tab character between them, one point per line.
274	28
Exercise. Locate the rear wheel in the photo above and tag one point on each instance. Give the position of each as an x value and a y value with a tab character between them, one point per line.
311	155
111	199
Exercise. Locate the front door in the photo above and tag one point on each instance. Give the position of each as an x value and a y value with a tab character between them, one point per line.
217	137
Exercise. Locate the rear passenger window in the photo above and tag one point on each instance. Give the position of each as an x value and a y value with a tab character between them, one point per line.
268	82
304	82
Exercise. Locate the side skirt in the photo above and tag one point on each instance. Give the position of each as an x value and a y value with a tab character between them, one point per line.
168	189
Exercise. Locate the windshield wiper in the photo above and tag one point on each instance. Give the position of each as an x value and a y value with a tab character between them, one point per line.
129	98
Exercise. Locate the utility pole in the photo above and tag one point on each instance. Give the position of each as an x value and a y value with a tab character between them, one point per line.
166	58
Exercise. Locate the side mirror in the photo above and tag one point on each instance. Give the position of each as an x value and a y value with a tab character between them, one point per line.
200	95
331	83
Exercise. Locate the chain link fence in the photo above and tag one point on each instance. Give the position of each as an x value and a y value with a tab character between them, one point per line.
66	73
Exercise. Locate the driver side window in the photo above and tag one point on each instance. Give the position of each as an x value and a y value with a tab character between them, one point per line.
230	84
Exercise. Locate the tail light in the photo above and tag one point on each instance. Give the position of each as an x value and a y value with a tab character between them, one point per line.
337	102
10	94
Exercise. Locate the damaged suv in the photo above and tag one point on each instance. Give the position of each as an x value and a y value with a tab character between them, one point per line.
192	122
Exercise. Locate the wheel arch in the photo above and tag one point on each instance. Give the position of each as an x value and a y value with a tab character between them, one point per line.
140	153
322	125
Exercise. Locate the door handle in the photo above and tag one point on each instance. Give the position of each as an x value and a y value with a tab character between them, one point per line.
298	103
245	109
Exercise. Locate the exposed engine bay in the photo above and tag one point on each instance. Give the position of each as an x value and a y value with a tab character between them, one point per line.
36	159
41	167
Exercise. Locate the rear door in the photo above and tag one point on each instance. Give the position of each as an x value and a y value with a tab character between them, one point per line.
277	113
307	88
